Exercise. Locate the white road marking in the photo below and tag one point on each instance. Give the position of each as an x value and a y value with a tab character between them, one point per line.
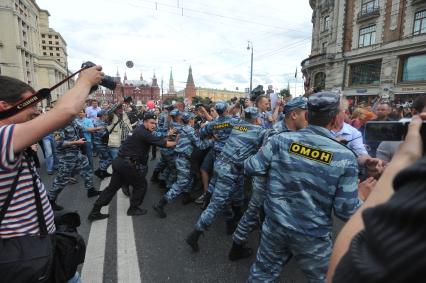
93	267
127	258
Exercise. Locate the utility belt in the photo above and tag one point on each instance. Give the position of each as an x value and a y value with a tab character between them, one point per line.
231	162
132	161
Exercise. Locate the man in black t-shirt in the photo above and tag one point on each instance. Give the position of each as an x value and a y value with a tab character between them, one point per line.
130	167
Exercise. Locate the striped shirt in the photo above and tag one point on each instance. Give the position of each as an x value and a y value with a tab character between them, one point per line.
21	216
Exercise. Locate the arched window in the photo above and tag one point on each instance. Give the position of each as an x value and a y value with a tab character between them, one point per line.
319	80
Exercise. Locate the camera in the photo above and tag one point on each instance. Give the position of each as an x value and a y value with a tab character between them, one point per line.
391	131
107	81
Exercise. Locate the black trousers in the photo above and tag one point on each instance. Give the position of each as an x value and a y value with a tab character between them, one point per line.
123	172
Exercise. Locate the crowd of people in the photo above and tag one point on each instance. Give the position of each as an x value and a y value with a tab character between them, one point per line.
281	165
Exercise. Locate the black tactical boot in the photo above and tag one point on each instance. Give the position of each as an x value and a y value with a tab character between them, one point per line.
92	192
154	177
187	198
98	173
192	240
159	208
239	252
231	225
96	214
55	206
206	200
134	211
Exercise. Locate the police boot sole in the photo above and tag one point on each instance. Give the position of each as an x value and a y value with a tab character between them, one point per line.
241	254
159	211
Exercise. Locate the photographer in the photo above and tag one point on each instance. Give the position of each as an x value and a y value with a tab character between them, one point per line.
384	240
24	255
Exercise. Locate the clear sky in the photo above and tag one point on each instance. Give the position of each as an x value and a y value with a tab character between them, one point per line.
173	34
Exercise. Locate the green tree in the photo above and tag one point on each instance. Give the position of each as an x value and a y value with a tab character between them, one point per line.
169	100
285	93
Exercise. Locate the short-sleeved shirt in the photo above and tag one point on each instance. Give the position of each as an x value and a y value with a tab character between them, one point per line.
354	137
91	112
21	216
137	144
84	124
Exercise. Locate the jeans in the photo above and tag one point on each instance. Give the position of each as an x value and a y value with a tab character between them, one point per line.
49	153
113	151
75	279
89	153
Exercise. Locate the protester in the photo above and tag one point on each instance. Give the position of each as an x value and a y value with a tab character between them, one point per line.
92	110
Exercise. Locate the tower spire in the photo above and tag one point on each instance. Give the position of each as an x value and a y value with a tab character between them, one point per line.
171	82
125	76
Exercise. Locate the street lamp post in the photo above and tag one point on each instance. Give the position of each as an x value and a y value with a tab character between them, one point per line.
250	46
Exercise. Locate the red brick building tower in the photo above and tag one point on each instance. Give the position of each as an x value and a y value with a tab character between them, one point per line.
190	87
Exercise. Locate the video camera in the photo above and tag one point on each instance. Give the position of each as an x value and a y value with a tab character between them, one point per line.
107	81
391	131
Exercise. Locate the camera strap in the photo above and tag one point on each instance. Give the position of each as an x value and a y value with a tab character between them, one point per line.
35	98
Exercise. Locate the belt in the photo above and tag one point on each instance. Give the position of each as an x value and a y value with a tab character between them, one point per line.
130	160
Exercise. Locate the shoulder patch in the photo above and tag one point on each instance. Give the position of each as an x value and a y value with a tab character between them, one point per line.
241	128
311	153
57	136
222	126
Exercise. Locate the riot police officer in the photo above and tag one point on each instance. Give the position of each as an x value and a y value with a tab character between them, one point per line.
309	175
130	166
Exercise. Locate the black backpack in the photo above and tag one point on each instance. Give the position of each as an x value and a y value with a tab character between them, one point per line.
70	248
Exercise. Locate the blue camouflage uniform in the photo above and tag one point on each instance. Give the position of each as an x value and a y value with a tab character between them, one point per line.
309	175
162	129
220	128
251	217
184	148
101	144
70	159
169	174
245	139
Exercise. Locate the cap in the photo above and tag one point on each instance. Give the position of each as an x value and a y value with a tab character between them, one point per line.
296	103
251	112
174	112
221	106
323	102
186	116
149	115
101	113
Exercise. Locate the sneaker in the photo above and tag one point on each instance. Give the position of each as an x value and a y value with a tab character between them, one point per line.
72	180
136	211
200	199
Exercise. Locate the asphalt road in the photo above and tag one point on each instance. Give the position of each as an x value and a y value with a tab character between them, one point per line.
149	249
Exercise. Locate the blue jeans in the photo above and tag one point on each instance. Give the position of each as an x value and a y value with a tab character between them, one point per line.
89	153
113	151
49	153
75	279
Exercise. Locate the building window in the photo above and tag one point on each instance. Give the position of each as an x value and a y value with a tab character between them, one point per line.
324	47
57	42
326	23
44	53
43	41
369	6
366	73
50	36
50	48
367	36
319	81
420	22
57	54
56	36
50	42
414	68
44	47
51	54
42	35
57	48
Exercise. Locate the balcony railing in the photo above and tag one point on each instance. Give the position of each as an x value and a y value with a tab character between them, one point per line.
317	59
362	16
